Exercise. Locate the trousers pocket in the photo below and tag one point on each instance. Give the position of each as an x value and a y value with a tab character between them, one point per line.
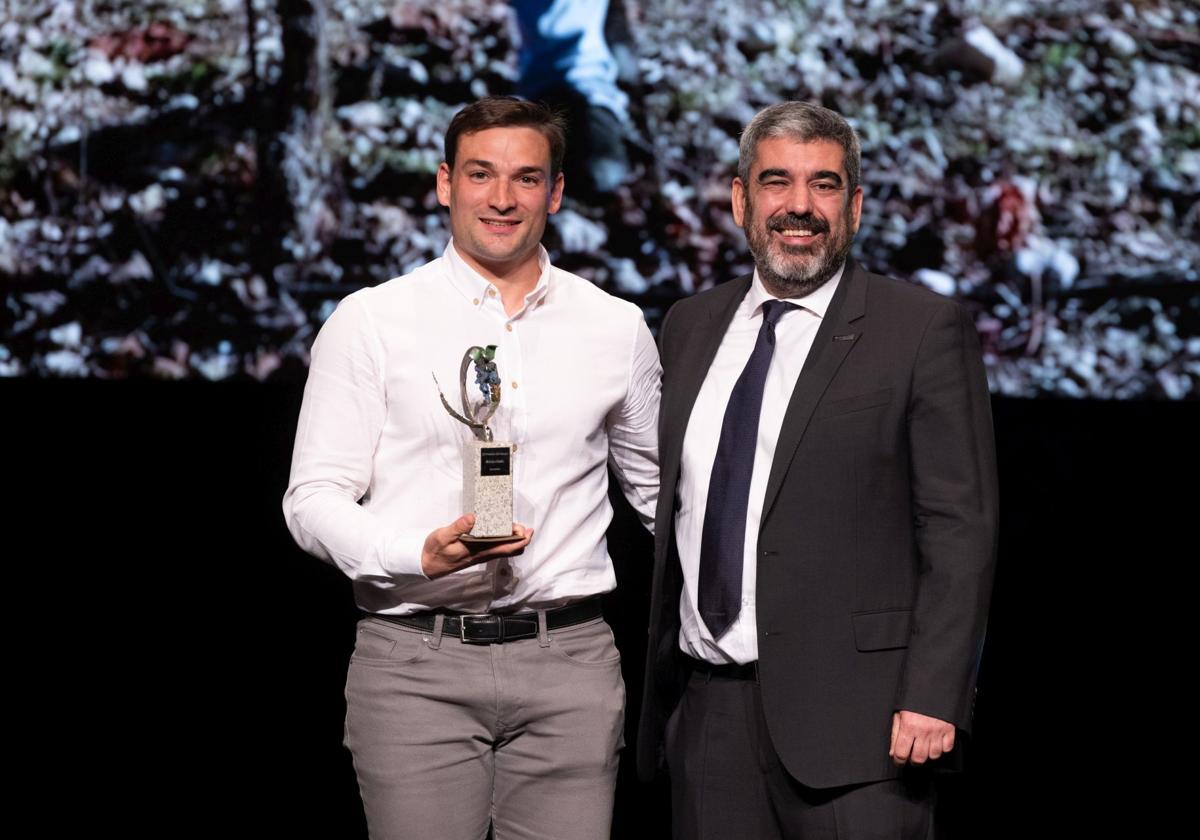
589	645
378	643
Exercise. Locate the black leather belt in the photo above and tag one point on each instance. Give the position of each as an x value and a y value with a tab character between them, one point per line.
749	671
497	628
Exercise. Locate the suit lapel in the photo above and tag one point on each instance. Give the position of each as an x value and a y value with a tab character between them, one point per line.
700	348
836	337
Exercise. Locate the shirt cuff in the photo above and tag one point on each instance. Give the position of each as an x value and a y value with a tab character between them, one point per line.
403	556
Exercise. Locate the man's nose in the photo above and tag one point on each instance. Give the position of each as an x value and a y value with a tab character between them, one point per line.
799	199
501	197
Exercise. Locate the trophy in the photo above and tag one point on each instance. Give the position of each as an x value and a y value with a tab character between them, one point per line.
487	465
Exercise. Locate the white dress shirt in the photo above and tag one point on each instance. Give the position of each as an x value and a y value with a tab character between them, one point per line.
377	464
793	338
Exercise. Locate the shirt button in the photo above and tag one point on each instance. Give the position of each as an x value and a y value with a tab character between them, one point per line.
475	301
514	385
508	327
491	292
514	447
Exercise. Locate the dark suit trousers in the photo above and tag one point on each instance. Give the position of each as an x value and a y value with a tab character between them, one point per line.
727	781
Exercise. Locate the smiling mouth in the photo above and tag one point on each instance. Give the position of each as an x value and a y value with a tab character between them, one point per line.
798	237
798	228
500	223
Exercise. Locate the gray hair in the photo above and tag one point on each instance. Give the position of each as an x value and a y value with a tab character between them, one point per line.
804	122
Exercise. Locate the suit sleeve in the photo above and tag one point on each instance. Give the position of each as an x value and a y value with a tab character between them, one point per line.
955	511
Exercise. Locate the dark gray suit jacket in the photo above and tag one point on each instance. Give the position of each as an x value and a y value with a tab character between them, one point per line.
878	536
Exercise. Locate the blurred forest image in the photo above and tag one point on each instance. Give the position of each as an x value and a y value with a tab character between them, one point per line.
188	188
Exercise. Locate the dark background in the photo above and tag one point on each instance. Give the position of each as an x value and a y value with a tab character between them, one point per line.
178	663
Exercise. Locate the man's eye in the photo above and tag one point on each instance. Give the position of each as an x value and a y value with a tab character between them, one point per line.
477	176
529	180
824	187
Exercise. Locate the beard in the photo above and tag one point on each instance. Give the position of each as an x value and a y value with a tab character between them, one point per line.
789	271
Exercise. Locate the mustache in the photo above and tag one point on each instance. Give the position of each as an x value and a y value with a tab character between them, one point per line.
794	221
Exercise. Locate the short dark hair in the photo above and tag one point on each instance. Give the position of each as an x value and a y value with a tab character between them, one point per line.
509	112
804	122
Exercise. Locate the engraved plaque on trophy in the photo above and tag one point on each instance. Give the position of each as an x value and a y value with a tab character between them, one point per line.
487	464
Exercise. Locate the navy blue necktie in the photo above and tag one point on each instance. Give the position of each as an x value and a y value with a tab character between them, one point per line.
723	540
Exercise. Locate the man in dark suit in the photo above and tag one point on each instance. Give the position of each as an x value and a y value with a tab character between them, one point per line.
826	527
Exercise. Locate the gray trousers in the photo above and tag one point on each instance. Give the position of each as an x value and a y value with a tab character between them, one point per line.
447	736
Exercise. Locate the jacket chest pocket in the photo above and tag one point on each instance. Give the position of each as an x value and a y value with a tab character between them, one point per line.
850	405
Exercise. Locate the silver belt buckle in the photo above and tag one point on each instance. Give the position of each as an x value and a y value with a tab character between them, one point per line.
480	619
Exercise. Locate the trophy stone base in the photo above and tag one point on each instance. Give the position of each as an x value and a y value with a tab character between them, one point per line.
488	488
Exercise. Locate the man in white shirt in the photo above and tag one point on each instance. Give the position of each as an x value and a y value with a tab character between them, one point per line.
484	686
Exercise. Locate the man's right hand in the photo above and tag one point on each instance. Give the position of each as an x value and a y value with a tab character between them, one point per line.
445	552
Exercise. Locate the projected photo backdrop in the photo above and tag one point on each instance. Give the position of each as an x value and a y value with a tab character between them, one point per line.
188	188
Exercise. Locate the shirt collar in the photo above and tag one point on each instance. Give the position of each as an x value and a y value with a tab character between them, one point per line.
474	286
817	302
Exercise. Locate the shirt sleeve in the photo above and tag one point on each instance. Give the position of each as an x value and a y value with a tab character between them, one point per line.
633	428
341	419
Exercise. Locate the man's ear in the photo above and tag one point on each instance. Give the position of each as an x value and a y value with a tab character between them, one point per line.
556	194
443	184
737	199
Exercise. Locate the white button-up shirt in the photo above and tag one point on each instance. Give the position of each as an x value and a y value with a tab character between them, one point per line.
377	463
794	336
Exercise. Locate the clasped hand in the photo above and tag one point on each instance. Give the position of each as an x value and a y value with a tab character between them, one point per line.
918	738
